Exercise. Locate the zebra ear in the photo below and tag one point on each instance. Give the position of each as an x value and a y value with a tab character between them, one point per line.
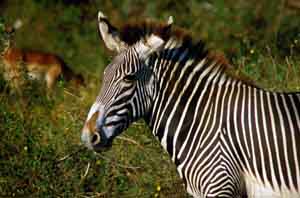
109	34
151	44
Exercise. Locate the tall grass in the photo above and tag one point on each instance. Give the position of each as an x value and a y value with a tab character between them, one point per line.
40	150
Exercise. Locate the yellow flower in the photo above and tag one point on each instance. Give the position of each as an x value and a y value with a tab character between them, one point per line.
98	162
158	188
252	51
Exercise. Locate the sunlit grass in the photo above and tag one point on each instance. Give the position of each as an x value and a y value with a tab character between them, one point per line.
40	150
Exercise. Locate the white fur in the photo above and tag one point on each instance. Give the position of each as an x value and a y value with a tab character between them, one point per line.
256	189
152	44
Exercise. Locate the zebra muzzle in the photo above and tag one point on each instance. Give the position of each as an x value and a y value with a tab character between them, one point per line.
99	141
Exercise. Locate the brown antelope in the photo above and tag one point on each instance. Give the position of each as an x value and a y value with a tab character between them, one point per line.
38	66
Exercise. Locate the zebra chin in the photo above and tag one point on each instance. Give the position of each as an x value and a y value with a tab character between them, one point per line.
102	146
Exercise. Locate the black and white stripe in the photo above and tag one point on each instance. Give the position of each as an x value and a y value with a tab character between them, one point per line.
226	137
218	129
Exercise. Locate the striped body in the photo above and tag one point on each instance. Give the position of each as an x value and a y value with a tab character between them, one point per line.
216	127
226	137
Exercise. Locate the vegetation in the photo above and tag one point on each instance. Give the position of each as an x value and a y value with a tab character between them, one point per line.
40	150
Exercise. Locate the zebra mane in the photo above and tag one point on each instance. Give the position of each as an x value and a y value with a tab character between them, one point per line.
136	31
133	32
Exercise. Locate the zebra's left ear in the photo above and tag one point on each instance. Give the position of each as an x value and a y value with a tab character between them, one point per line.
151	44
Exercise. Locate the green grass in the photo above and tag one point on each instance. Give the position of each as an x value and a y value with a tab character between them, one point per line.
40	150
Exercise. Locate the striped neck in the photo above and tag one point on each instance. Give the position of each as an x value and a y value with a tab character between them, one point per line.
179	68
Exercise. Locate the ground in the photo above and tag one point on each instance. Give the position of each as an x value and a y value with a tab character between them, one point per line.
40	150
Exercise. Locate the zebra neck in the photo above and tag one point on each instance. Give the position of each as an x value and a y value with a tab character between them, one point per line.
181	77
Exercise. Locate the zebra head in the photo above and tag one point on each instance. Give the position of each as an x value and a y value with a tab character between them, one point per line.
128	87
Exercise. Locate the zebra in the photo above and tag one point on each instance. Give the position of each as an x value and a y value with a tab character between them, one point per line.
227	137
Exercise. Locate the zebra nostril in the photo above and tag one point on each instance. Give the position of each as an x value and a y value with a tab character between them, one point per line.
95	139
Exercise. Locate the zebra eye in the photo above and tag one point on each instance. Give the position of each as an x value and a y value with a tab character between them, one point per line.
129	78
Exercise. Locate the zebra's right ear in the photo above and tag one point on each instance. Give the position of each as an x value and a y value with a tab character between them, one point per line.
110	34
